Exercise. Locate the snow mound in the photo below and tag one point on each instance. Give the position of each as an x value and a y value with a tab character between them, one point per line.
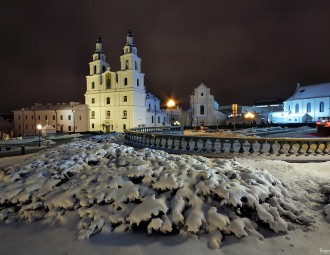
116	188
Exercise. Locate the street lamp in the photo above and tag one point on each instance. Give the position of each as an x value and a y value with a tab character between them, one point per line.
39	129
250	116
170	104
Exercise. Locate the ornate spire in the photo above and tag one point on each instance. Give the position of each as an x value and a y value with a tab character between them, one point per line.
99	40
129	38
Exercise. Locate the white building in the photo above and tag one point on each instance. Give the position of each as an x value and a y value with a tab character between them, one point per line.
155	116
118	100
71	117
307	104
205	110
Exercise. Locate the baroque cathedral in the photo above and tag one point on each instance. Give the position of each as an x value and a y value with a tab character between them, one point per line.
117	100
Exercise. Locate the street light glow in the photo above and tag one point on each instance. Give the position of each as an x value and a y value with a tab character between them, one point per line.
249	115
170	103
39	126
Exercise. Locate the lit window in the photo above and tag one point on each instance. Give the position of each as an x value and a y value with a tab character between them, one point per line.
322	107
125	98
124	114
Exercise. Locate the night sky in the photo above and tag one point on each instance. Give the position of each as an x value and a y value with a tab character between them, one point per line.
243	50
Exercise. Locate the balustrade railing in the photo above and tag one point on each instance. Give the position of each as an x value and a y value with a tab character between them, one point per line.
172	138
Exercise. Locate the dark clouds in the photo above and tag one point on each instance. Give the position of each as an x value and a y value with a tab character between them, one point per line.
243	50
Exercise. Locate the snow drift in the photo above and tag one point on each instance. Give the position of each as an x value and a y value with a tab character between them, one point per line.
116	188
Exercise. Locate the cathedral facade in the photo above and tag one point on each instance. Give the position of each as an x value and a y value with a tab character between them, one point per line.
117	100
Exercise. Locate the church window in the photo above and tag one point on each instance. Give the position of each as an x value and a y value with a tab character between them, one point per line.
202	94
322	107
61	117
93	85
103	68
125	81
93	100
108	100
108	115
79	117
158	119
92	125
152	119
149	107
125	98
309	107
38	117
126	64
26	117
31	117
137	82
46	117
53	117
69	117
124	126
101	80
19	117
108	83
94	69
124	114
136	66
289	108
201	109
93	115
116	77
297	108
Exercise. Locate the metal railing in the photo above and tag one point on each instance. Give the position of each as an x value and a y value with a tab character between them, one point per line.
172	139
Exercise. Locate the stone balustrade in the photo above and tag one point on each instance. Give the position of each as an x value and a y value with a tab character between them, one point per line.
172	139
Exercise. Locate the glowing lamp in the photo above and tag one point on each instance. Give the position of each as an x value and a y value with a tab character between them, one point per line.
170	103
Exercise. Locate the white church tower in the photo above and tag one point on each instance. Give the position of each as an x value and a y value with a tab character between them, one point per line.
116	99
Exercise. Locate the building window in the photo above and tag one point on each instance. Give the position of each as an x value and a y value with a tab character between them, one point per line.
136	66
116	77
26	117
93	115
31	117
94	69
69	127
19	117
108	114
108	83
101	80
125	98
137	82
126	64
103	68
124	114
53	117
152	119
289	108
38	117
322	107
108	100
69	117
92	125
93	100
46	117
124	126
202	94
61	117
297	108
309	107
93	85
158	119
79	117
201	109
149	107
26	126
125	81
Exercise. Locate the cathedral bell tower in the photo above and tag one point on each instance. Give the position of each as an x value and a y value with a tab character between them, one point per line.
99	64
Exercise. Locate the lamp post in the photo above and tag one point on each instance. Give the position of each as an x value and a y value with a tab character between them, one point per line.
170	104
39	132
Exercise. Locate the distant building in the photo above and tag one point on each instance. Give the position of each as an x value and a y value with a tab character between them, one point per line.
118	100
204	109
64	117
6	124
155	116
307	104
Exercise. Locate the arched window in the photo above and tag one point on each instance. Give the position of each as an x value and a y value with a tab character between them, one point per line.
108	100
309	107
108	83
125	81
94	69
126	64
201	109
93	85
322	107
124	114
137	82
136	66
297	108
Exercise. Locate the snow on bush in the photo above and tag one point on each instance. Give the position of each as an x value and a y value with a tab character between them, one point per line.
116	188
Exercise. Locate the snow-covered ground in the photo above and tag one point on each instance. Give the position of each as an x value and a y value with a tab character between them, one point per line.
118	200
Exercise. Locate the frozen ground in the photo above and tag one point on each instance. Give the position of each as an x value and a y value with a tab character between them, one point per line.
90	188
